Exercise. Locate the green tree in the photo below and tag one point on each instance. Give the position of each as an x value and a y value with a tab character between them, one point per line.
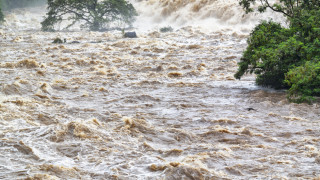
284	57
96	14
266	55
289	8
304	81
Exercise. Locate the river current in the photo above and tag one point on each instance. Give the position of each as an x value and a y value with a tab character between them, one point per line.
160	106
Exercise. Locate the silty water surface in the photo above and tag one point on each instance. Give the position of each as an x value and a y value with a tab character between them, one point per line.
162	106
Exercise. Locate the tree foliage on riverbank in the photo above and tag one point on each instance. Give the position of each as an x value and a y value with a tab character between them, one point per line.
286	57
96	15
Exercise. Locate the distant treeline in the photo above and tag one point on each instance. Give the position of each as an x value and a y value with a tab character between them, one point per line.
1	15
11	4
7	5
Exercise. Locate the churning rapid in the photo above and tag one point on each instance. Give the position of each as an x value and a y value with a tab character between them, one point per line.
161	106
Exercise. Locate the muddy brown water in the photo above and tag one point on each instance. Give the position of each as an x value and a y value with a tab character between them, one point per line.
162	106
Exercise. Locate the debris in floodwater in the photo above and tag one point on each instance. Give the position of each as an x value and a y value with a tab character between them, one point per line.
250	109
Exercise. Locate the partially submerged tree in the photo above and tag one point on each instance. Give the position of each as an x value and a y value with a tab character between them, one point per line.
285	57
96	14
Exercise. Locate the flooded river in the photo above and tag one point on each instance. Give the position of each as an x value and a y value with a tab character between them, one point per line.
161	106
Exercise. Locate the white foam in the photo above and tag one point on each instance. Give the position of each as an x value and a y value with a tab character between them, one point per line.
213	15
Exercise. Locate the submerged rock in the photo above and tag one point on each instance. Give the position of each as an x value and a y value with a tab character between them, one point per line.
130	35
59	41
75	42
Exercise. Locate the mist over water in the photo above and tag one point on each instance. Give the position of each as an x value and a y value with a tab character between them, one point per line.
212	15
162	106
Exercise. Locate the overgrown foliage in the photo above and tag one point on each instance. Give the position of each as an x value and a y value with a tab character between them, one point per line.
304	81
96	14
166	29
289	8
286	57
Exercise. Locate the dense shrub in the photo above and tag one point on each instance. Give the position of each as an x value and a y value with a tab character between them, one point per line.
266	55
304	82
166	29
286	57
